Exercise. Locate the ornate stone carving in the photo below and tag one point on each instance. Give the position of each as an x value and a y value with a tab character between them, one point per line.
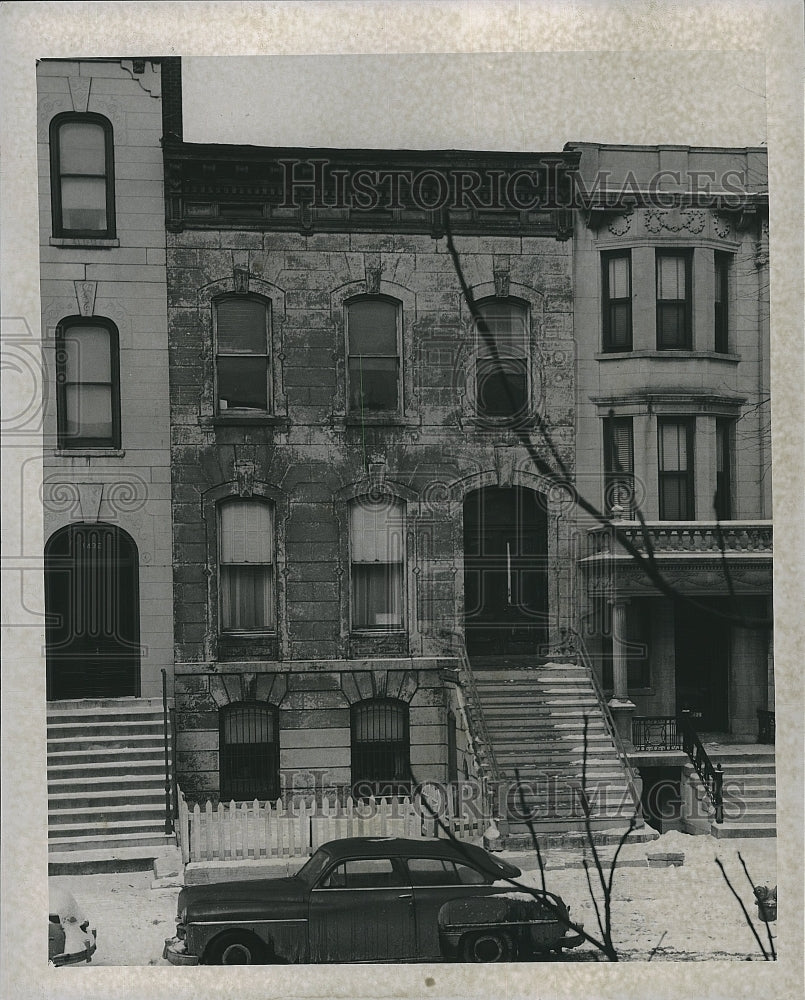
675	220
373	273
85	296
146	73
240	279
244	477
377	477
90	496
721	226
621	224
501	270
504	465
762	246
79	92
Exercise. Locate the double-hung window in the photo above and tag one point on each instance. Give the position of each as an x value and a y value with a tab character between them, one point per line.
674	309
721	262
82	176
373	336
242	368
617	298
246	566
619	465
501	365
377	566
87	384
675	445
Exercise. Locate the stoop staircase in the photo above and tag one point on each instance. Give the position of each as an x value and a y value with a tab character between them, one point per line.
750	799
534	717
106	783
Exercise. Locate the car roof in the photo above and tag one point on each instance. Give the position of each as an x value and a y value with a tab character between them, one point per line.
383	847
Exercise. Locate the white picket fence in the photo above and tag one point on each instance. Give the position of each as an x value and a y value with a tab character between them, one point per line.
243	830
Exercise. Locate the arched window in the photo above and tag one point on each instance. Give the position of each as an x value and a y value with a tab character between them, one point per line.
242	363
249	751
373	337
82	176
246	566
87	383
381	747
377	564
501	359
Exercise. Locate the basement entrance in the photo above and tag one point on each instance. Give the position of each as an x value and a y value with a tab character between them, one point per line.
505	572
92	615
702	642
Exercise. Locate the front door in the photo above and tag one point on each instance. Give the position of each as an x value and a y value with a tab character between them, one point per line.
702	664
363	911
92	615
505	571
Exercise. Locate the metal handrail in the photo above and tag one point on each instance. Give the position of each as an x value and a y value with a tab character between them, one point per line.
168	809
487	762
712	778
620	749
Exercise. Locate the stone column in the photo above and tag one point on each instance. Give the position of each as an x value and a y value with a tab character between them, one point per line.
620	704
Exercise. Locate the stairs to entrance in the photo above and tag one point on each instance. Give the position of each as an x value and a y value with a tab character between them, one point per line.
750	792
534	715
106	782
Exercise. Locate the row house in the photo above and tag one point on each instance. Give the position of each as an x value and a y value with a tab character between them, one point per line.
106	488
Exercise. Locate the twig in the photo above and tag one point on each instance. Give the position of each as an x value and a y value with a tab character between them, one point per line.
656	947
766	922
745	912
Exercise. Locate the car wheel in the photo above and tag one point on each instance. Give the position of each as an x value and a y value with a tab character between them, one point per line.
236	949
487	946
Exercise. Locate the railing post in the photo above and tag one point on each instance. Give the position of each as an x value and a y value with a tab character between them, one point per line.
718	798
168	811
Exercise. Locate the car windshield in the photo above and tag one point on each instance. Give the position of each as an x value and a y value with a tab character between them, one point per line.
311	870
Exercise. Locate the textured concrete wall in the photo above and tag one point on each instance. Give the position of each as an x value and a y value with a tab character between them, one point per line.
125	282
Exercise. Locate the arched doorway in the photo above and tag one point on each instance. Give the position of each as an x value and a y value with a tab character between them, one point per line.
92	607
505	572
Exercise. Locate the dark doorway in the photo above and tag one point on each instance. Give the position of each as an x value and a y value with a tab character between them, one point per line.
660	798
702	664
505	572
92	608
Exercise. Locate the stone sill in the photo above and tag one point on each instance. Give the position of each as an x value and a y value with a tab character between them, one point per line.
88	452
375	420
245	420
670	355
107	243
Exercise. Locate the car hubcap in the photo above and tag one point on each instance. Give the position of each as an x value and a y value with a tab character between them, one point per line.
236	954
488	949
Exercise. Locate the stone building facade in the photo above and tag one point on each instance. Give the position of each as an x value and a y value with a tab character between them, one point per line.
106	490
674	419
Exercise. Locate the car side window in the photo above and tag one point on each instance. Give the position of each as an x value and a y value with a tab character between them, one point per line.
364	873
469	876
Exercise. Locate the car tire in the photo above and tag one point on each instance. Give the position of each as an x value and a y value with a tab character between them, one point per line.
237	948
487	946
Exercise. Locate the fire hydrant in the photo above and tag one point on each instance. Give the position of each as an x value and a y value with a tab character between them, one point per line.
766	902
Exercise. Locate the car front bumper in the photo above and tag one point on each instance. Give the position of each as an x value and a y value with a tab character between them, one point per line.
175	951
74	958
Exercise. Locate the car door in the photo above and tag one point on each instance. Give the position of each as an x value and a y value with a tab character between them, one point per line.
362	910
435	881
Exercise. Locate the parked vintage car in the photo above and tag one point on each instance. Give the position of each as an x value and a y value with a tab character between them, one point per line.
70	938
373	899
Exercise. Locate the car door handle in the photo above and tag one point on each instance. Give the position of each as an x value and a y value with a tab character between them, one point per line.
406	895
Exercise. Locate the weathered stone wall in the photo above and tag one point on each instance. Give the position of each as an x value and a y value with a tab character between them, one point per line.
310	457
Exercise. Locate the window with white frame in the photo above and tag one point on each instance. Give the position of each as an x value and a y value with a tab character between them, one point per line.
373	355
246	566
377	563
242	369
501	359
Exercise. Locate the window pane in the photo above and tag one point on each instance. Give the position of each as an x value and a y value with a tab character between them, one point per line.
670	277
620	442
247	534
502	387
88	411
507	322
243	383
372	325
619	278
671	324
83	202
432	871
377	595
246	597
620	326
673	447
373	383
88	354
82	148
377	531
674	498
242	326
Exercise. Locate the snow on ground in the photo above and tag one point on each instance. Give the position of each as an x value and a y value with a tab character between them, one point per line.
687	913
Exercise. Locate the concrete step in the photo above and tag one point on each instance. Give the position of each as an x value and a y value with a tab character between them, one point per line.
106	815
128	758
151	741
128	713
111	842
736	829
98	831
103	727
112	770
110	796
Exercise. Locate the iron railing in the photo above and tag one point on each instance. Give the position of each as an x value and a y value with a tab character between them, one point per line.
168	806
766	726
656	732
711	777
482	743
